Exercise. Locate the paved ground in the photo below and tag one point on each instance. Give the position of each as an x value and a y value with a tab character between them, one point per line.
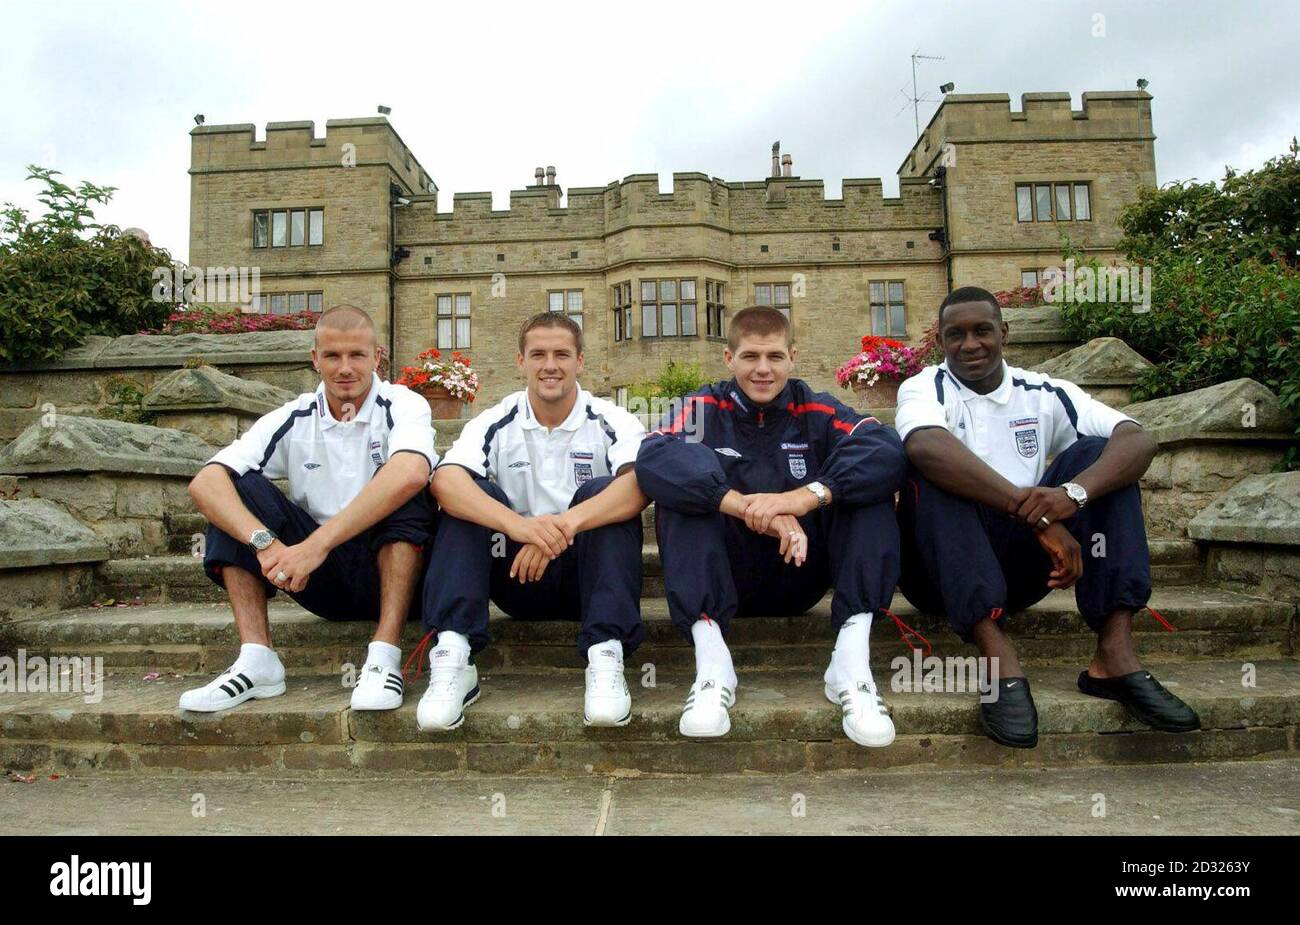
1232	798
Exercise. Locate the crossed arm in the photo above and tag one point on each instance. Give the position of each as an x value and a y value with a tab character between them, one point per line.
945	461
544	536
397	481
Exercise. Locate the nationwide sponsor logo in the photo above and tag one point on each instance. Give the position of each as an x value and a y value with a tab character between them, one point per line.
1027	442
727	451
1022	422
580	454
794	446
798	467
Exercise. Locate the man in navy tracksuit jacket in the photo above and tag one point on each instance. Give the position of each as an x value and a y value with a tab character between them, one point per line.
767	494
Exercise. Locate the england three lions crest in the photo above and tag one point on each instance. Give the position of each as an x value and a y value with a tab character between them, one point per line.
798	467
1027	442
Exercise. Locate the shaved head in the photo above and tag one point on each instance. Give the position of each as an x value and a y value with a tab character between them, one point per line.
345	318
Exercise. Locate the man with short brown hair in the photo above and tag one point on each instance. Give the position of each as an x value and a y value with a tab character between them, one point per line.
541	515
766	495
348	542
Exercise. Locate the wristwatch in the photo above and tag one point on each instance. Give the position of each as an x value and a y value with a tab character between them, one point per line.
261	539
819	490
1077	493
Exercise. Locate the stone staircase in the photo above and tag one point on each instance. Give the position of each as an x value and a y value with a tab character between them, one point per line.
101	564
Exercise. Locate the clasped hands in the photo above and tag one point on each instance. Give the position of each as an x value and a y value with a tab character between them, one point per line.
1036	505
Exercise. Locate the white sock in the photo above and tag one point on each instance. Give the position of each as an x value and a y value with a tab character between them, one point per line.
384	653
457	643
712	657
595	653
851	659
261	661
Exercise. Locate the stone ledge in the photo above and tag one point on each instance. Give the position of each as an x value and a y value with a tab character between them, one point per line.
1035	324
208	389
82	444
1101	361
1218	413
147	350
1263	509
37	532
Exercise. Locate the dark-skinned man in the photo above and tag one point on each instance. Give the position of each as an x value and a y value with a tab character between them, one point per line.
989	527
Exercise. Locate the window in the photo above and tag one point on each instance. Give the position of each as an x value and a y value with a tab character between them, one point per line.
623	311
1053	202
280	303
715	312
620	396
288	227
775	294
888	313
453	321
1028	278
668	308
568	301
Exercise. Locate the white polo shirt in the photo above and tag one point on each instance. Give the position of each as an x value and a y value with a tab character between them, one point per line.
539	470
327	462
1014	428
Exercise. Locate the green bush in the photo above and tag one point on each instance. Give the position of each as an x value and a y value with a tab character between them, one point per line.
1225	284
675	380
64	277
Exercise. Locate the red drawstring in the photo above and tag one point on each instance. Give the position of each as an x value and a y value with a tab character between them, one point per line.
1163	622
995	614
417	657
905	631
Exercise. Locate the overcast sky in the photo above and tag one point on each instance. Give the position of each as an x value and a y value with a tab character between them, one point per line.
484	92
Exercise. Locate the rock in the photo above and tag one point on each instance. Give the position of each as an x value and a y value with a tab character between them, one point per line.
207	389
81	444
140	350
1261	509
1035	323
1101	361
1240	410
38	532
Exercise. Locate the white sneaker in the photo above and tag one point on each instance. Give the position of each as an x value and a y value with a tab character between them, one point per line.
607	702
866	721
229	689
453	685
378	688
705	714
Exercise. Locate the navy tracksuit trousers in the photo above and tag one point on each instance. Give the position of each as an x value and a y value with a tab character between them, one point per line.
598	579
346	585
706	557
972	562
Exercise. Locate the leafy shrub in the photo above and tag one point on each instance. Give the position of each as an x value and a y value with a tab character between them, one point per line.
64	277
675	380
202	320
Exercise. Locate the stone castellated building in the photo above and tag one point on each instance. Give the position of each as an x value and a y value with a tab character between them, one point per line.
352	217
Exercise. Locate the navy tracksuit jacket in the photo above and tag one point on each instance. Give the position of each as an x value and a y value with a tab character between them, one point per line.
719	440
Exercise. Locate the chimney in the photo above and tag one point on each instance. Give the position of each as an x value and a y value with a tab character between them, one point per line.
787	163
776	158
539	176
550	176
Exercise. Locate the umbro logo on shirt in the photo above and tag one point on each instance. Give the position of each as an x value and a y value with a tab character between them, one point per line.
311	465
522	464
727	451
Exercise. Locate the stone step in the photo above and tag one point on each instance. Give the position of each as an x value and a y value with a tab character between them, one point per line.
198	638
529	723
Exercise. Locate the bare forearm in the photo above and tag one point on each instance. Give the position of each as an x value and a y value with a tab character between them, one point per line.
621	500
398	481
945	461
1127	456
217	500
458	495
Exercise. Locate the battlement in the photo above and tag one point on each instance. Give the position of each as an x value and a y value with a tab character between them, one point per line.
695	198
360	142
970	118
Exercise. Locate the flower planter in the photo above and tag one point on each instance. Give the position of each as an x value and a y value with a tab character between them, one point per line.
442	405
884	394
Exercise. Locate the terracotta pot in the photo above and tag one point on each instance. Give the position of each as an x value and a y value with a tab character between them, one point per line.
884	394
442	405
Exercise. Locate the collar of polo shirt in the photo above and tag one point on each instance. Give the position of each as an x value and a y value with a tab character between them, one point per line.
529	421
327	419
1000	396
